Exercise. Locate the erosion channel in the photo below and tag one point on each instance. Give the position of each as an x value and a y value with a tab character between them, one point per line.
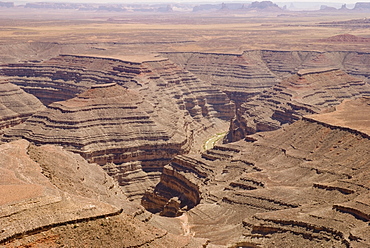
145	139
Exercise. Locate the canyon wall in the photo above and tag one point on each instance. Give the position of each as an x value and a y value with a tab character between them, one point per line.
244	75
303	185
240	76
134	123
51	197
263	68
307	92
15	105
64	76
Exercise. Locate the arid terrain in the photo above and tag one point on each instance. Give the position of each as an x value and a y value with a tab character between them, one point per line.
184	125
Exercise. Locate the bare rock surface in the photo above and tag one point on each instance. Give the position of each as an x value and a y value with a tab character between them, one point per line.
16	105
303	185
256	70
346	38
131	129
239	75
66	197
351	114
309	91
54	198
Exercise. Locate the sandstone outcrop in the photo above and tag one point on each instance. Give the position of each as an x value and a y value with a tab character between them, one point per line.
15	105
53	198
63	77
52	187
307	92
134	126
264	5
303	185
259	70
240	76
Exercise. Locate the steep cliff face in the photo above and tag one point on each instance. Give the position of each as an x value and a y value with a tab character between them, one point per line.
244	75
53	198
303	185
307	92
63	77
106	114
240	76
16	105
133	132
283	63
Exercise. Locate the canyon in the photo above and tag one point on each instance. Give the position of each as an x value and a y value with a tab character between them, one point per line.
300	185
179	133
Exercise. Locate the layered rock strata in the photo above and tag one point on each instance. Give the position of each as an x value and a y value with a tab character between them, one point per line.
307	92
263	68
132	132
63	77
15	105
303	185
240	76
35	185
107	125
53	198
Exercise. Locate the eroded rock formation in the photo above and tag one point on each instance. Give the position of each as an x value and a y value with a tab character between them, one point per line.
133	132
255	71
303	185
15	105
51	197
36	183
240	76
307	92
63	77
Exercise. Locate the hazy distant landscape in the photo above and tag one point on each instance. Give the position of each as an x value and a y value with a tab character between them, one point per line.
187	124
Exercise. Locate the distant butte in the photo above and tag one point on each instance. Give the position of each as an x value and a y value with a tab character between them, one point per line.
346	38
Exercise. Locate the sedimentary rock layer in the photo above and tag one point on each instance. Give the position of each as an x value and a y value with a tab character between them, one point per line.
36	184
262	68
16	105
51	197
134	129
172	98
63	77
304	185
239	75
309	91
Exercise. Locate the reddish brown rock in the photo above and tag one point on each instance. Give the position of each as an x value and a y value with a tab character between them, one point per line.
52	198
303	185
309	91
132	132
32	189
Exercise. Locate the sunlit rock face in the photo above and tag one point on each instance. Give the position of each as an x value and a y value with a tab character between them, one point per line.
15	105
133	127
303	185
309	91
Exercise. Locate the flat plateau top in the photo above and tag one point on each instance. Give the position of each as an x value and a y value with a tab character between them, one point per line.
130	59
303	72
352	114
